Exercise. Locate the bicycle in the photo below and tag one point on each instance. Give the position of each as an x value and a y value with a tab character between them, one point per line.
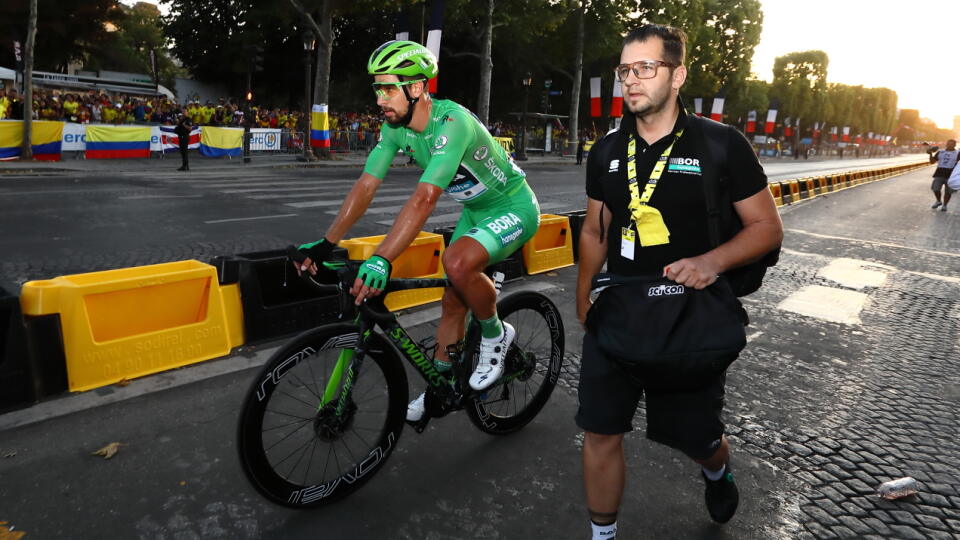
336	396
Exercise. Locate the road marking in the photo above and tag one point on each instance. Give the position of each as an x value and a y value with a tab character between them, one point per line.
314	182
249	218
272	189
937	277
871	242
391	209
137	197
826	303
328	193
853	273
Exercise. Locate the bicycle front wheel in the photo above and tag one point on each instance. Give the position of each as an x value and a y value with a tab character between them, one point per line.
532	369
302	443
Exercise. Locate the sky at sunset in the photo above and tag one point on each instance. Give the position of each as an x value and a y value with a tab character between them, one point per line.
910	47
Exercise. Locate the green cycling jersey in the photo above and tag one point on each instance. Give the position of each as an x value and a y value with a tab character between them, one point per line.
457	154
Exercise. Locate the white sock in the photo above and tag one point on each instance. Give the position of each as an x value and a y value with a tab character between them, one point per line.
604	532
713	475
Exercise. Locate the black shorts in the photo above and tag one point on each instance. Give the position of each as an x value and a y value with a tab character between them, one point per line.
688	420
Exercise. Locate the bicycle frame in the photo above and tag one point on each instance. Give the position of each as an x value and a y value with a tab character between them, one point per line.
374	313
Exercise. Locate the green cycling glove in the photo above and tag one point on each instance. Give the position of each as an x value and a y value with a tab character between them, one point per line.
374	272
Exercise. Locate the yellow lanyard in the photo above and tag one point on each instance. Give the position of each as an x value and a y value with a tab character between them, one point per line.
648	221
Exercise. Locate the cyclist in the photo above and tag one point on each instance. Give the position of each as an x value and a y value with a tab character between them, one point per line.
459	157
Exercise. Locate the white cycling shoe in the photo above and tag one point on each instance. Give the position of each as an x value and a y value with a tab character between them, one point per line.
491	363
416	408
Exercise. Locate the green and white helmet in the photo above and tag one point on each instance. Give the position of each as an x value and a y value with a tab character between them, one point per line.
403	58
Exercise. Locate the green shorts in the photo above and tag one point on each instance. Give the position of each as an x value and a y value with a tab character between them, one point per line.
502	228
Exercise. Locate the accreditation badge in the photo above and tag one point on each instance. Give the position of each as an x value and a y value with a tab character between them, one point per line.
628	240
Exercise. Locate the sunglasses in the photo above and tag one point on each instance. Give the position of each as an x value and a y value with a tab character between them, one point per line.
389	89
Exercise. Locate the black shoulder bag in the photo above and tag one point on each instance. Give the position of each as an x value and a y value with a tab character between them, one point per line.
663	335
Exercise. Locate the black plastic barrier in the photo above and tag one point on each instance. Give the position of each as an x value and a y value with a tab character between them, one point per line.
576	218
275	301
32	363
512	266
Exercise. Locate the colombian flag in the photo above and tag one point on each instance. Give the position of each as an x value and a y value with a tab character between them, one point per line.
217	142
46	139
320	127
110	142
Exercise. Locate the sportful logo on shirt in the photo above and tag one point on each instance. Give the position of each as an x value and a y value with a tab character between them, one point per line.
614	165
684	165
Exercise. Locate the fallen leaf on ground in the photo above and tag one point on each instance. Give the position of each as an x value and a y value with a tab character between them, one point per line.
552	274
123	382
10	454
108	451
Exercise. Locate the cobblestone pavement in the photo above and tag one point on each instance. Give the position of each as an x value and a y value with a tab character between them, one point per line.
843	407
840	407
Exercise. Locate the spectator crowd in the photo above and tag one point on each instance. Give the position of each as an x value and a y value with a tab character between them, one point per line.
349	131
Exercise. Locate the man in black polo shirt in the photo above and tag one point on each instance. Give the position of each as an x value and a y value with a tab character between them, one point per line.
651	73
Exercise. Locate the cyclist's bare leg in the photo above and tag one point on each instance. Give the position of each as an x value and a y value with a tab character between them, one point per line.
452	318
464	262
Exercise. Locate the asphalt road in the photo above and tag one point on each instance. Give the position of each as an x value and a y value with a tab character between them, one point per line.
850	378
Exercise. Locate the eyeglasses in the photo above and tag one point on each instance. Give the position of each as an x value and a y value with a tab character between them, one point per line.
389	89
644	69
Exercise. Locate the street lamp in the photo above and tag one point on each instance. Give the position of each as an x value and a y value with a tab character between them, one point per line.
522	153
309	43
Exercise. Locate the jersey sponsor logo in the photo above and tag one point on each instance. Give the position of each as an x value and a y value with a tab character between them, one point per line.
666	290
481	153
614	165
440	142
497	173
684	165
465	186
504	222
505	240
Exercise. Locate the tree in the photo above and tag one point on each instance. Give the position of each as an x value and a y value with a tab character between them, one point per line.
69	28
26	150
799	82
128	48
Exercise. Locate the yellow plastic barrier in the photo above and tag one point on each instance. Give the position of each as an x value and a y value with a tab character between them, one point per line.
233	307
130	322
421	260
777	193
506	143
794	190
812	188
551	247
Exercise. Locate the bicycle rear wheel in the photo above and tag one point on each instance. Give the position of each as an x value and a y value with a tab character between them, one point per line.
299	452
533	365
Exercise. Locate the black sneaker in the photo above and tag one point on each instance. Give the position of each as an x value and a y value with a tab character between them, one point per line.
721	496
